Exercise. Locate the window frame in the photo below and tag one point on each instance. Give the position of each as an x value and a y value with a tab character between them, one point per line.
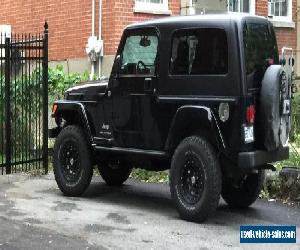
287	18
252	6
152	8
171	75
244	52
132	31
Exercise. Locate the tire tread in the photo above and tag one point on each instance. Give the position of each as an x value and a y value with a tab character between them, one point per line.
216	180
78	133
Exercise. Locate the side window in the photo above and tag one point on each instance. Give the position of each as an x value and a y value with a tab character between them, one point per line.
260	48
139	54
199	52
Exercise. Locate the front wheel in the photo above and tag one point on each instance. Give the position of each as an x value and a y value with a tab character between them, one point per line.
244	193
195	179
72	163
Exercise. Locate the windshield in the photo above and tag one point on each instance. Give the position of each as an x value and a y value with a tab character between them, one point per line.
260	51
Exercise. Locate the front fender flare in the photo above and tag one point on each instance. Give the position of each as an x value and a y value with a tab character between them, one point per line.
67	107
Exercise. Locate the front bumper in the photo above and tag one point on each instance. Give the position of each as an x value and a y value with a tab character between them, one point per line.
257	159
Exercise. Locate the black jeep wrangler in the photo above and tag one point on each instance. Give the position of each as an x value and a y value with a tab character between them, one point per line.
204	96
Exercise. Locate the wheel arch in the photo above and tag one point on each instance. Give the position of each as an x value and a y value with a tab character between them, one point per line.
74	113
194	120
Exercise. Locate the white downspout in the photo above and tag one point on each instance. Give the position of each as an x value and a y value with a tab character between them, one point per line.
93	34
100	37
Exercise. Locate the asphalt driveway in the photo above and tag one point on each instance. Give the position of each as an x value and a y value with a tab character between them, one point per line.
35	215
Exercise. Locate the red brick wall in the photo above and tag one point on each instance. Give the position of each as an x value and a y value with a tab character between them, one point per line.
285	36
118	14
70	22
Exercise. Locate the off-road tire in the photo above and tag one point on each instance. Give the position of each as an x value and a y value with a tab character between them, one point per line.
244	195
274	126
75	136
202	152
114	175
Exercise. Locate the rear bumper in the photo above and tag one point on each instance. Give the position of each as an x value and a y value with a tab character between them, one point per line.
256	159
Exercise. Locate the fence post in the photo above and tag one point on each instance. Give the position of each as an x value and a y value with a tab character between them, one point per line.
45	99
7	107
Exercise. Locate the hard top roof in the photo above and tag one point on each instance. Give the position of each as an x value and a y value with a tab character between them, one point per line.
177	20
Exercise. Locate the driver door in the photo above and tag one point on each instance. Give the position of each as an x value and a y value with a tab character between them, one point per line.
133	86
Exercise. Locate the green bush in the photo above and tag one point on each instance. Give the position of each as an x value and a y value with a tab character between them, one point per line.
25	104
59	81
283	185
295	136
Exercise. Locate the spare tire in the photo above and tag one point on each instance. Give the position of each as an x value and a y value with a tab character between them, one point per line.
274	124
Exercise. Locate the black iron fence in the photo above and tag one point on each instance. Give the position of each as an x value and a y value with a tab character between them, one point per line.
23	102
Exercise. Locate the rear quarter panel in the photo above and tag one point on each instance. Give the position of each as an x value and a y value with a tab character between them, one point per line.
204	90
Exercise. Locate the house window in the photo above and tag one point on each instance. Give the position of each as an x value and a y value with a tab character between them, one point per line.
280	10
246	6
152	6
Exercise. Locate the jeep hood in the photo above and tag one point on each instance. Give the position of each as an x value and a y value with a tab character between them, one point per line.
87	91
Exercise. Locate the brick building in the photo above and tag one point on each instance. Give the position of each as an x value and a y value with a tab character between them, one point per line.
71	21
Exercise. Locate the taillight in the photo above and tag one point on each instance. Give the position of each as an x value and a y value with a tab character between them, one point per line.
250	114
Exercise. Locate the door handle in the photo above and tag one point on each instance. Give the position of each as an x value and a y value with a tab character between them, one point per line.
148	85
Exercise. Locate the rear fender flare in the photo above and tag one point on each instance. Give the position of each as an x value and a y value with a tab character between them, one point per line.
188	115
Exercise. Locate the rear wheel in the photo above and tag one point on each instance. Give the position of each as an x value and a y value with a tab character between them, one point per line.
246	192
114	173
195	179
72	164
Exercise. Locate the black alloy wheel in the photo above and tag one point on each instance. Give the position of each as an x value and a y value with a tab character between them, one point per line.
193	179
72	161
69	161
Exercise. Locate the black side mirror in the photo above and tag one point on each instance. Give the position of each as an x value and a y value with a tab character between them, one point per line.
116	70
117	66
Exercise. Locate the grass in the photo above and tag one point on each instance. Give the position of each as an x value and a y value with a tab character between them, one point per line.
293	161
150	176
